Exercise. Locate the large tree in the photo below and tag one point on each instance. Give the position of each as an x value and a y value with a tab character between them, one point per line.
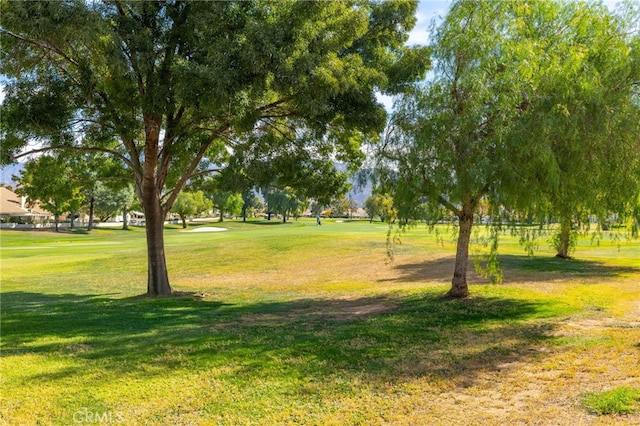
586	119
190	203
180	86
381	205
112	200
481	130
51	181
284	201
92	171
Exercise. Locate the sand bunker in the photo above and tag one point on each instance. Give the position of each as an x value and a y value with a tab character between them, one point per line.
207	229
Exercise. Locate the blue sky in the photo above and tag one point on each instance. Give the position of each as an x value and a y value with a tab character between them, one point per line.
427	11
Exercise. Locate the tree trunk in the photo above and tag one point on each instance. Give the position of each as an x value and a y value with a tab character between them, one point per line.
184	221
565	239
57	221
91	208
221	216
149	187
459	287
158	278
125	224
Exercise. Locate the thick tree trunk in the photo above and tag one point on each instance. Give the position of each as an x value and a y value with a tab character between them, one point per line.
565	239
158	278
459	287
149	187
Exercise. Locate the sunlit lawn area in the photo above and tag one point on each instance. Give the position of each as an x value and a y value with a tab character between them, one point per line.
300	324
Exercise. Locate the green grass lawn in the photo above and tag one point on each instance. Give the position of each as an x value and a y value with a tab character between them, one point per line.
300	324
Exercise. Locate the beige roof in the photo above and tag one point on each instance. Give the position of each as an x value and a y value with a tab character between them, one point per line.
11	205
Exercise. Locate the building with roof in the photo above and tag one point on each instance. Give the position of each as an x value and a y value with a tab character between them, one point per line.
17	210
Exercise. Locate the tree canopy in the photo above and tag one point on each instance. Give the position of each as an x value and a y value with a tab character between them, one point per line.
585	119
528	108
284	201
50	181
174	89
190	203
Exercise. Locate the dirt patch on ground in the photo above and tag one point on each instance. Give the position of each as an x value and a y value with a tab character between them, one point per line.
322	310
572	327
347	308
589	352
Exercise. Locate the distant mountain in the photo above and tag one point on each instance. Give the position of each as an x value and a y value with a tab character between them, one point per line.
359	192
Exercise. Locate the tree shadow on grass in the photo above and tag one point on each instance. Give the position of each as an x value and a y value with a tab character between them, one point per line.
527	268
265	222
537	266
384	338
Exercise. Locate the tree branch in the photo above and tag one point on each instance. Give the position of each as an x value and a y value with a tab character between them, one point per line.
170	137
281	132
77	148
193	166
448	205
272	104
43	46
204	172
134	153
443	201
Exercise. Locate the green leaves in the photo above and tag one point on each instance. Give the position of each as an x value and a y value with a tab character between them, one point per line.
203	70
532	108
170	88
589	122
190	203
536	95
49	180
30	113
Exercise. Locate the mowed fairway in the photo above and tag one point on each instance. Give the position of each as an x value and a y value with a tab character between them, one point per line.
300	324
